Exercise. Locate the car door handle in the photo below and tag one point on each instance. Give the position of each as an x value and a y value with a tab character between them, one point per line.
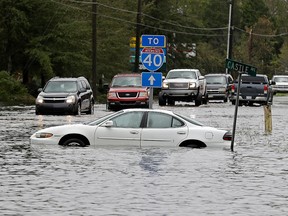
134	132
181	132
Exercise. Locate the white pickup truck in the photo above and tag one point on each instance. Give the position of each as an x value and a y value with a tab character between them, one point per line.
183	85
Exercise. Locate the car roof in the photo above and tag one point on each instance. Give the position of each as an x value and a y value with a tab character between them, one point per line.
66	78
257	75
147	110
280	76
217	74
184	70
127	75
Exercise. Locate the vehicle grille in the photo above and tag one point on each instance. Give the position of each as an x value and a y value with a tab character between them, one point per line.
178	85
282	86
54	100
127	94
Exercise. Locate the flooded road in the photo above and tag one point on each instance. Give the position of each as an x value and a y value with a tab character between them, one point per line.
54	180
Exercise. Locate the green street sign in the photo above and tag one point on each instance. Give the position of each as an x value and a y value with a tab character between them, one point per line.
240	67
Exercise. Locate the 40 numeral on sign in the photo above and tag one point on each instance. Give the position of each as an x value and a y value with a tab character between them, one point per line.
152	58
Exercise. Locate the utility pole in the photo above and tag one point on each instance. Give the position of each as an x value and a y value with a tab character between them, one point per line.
230	32
138	28
94	47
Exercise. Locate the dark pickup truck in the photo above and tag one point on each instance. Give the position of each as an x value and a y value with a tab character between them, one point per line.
253	90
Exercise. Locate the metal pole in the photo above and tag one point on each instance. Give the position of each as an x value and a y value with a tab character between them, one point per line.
137	45
94	48
229	34
151	98
236	111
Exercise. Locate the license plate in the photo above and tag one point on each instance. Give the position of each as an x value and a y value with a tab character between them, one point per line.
249	97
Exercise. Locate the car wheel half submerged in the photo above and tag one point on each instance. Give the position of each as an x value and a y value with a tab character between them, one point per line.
74	142
91	109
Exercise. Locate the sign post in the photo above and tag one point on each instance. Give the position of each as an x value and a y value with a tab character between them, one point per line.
152	57
242	69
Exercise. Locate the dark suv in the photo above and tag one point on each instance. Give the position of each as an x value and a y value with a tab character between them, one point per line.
65	96
219	86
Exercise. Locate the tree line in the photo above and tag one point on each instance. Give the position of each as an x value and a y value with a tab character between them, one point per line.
40	39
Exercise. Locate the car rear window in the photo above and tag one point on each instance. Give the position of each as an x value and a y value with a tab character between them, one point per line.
253	80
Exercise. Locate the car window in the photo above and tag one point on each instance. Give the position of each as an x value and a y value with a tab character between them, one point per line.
181	74
83	84
100	120
160	120
192	121
60	86
126	81
281	79
230	79
128	120
253	80
216	80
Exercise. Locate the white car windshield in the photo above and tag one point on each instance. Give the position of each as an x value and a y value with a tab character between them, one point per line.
100	120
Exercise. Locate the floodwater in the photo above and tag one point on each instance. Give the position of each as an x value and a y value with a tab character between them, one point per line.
54	180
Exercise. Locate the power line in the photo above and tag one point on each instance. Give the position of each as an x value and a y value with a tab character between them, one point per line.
151	17
167	22
261	35
144	25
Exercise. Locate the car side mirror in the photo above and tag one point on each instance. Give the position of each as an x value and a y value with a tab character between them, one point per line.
108	124
201	77
40	89
106	87
271	82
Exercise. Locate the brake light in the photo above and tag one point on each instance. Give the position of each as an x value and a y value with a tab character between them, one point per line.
227	136
265	89
233	88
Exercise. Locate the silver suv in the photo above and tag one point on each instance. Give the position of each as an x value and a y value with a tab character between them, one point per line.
183	85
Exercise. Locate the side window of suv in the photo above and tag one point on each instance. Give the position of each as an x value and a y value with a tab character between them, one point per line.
80	85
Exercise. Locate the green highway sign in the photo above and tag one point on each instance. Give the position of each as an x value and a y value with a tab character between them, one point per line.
240	67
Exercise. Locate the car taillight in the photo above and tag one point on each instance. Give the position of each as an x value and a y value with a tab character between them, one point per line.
265	89
233	88
227	136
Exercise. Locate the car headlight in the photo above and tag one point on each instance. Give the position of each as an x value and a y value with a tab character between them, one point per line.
143	94
192	85
164	85
70	99
43	135
112	95
39	99
223	90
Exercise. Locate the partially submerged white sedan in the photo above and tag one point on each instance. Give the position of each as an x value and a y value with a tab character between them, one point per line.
137	128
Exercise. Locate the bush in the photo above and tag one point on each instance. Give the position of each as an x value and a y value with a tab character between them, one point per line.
12	91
